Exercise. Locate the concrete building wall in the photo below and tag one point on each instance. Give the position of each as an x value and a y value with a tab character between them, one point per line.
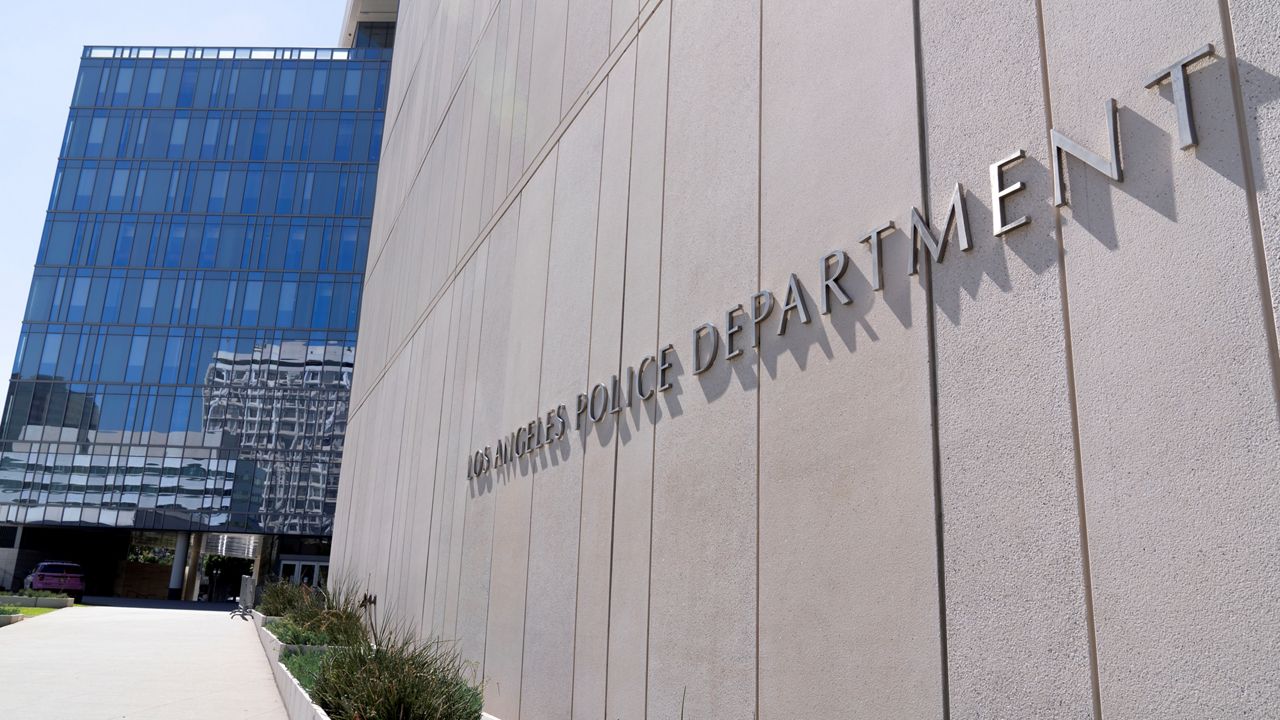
1035	479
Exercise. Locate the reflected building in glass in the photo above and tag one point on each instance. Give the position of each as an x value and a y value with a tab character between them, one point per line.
186	355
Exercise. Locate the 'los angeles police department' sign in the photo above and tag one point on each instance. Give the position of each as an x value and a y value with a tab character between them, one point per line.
743	326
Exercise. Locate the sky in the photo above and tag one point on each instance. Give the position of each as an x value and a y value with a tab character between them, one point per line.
38	62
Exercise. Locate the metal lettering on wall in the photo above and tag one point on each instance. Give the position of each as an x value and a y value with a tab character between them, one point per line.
654	373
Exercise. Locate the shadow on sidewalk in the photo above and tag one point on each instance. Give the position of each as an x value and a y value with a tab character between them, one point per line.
103	601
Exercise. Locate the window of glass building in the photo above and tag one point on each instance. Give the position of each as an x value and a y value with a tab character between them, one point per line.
375	35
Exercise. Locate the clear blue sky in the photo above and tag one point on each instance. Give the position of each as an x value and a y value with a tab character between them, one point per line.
38	61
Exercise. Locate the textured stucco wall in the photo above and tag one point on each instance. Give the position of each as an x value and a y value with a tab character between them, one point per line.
1036	480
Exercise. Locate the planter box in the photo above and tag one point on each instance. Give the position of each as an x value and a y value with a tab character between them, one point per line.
44	602
273	648
9	619
271	645
297	702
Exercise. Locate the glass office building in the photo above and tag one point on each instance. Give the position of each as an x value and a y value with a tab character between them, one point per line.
186	355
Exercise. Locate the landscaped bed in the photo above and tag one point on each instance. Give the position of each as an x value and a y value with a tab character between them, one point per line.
10	615
353	669
36	598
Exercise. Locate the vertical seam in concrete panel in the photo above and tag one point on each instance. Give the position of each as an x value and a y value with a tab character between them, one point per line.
759	283
582	475
564	57
458	218
395	493
653	446
1251	192
440	427
1085	570
522	180
488	124
622	336
488	601
606	60
542	353
484	296
931	345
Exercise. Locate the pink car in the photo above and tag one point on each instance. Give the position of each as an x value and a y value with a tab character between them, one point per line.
57	577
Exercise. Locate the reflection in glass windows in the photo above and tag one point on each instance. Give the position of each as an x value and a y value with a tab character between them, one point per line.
186	354
375	34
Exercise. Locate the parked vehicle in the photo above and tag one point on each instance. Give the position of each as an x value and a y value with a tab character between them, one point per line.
63	577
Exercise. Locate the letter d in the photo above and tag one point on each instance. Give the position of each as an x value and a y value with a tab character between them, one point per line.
711	332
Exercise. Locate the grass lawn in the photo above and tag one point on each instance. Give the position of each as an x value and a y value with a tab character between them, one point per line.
33	611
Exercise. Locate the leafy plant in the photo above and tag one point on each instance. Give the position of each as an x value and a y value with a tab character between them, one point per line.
9	610
305	666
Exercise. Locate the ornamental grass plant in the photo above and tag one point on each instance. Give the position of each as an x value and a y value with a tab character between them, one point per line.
281	598
290	633
368	671
395	676
401	679
311	616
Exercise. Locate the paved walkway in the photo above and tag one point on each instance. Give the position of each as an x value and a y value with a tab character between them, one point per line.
106	663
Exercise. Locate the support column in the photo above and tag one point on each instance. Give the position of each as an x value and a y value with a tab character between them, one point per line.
191	588
262	558
178	570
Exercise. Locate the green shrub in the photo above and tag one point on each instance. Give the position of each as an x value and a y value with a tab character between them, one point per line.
304	666
290	633
40	594
395	679
9	610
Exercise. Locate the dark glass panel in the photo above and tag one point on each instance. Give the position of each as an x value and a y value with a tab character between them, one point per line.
123	83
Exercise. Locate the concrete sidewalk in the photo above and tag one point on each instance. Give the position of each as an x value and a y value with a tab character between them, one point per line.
104	663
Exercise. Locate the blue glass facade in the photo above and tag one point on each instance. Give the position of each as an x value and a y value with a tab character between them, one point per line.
185	358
